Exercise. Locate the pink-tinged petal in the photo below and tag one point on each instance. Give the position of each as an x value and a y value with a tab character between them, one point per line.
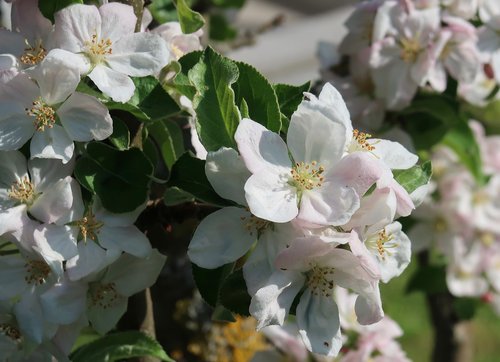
270	197
405	203
330	204
139	55
463	62
227	174
58	75
105	319
52	143
359	170
85	118
118	20
131	274
75	25
437	77
365	257
319	324
12	43
260	148
222	237
54	203
65	302
15	131
270	305
27	19
393	154
114	84
315	134
377	209
60	239
128	238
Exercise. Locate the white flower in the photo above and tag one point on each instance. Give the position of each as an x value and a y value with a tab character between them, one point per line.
321	185
104	37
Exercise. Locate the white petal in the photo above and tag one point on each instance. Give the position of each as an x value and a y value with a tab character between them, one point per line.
116	85
369	308
12	276
45	172
117	20
52	143
31	320
270	305
12	219
260	148
227	174
60	239
270	197
139	55
112	219
75	25
221	238
12	168
131	275
319	324
393	154
15	131
65	302
85	118
104	319
58	75
54	203
90	258
127	238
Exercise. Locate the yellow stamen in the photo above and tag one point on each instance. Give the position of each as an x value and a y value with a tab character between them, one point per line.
410	50
45	115
23	191
307	176
89	227
33	54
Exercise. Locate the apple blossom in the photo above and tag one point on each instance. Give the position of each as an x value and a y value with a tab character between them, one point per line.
104	38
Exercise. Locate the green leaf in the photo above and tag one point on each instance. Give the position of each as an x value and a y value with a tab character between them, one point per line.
169	138
428	279
220	29
190	20
188	174
209	281
163	11
234	295
181	80
49	7
428	119
229	3
259	96
414	177
466	307
120	178
462	141
119	346
120	138
150	101
175	196
214	102
289	98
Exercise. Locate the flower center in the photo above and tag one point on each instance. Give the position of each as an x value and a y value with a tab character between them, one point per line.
97	49
410	49
307	176
320	280
33	54
10	331
104	295
254	224
360	142
37	272
176	50
440	225
23	191
480	198
381	242
45	115
89	227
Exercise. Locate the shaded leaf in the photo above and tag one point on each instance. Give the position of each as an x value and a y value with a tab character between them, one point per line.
190	20
414	177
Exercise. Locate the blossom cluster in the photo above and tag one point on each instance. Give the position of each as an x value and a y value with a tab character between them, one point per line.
309	214
66	261
460	221
396	47
375	342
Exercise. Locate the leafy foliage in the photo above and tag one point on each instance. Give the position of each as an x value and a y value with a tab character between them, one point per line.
190	20
414	177
49	8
